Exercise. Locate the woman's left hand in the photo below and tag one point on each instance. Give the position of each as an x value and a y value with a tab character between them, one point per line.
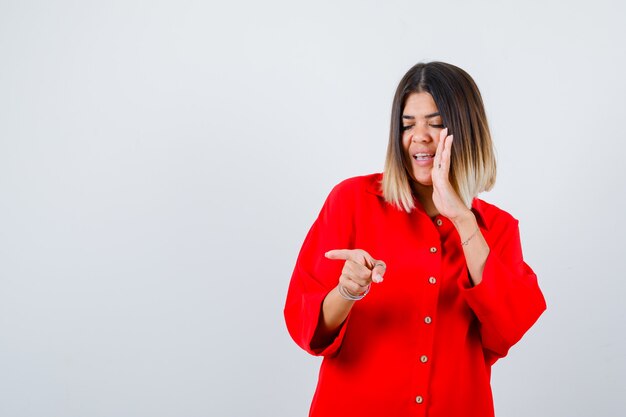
445	198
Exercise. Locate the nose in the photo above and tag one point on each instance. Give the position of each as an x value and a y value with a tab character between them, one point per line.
421	135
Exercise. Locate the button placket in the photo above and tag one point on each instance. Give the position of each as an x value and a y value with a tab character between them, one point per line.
427	314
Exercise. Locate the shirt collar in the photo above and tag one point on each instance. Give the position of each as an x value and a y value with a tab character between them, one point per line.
478	206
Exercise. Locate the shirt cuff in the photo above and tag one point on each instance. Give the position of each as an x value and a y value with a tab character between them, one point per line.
312	306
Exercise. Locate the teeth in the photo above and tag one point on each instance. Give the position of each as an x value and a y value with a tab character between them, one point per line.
422	155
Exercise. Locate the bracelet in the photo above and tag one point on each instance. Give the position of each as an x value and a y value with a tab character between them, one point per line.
469	238
349	296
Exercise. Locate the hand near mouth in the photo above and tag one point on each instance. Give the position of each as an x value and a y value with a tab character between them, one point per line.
445	198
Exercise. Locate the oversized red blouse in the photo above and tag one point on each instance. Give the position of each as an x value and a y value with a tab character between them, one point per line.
422	342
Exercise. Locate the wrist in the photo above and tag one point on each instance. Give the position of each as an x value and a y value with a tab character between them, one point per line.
348	295
464	219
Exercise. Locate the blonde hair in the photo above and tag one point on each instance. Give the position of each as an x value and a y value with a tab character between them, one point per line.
472	163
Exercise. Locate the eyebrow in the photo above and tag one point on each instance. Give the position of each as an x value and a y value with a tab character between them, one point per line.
428	116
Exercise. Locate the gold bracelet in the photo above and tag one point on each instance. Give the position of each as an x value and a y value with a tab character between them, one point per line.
468	239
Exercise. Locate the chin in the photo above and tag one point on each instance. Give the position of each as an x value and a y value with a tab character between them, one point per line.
423	179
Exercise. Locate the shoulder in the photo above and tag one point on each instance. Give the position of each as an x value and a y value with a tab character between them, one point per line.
491	216
349	196
357	186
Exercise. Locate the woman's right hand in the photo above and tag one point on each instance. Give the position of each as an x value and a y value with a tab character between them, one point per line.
360	269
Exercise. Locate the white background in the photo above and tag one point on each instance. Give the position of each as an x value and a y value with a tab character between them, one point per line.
162	161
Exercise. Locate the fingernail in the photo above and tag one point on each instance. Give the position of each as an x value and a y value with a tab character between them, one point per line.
377	278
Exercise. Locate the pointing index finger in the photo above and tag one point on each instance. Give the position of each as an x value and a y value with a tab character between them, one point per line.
346	255
359	256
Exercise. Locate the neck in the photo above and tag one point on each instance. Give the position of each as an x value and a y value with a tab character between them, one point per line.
424	194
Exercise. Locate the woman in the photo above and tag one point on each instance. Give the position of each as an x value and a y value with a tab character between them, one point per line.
408	285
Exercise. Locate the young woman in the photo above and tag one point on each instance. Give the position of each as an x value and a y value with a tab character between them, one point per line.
408	285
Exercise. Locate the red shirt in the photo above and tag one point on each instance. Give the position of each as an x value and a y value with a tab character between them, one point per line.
422	342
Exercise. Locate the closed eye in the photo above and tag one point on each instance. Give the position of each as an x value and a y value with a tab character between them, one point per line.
407	127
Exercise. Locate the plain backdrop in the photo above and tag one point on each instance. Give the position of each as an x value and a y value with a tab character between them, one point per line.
162	161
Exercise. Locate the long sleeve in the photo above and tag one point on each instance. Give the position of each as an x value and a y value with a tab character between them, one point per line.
314	275
508	301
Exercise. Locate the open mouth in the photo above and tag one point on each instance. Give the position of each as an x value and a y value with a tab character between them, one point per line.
423	156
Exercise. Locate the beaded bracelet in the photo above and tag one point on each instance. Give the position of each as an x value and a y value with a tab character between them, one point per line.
349	296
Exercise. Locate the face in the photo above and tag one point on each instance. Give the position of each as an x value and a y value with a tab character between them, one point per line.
421	126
